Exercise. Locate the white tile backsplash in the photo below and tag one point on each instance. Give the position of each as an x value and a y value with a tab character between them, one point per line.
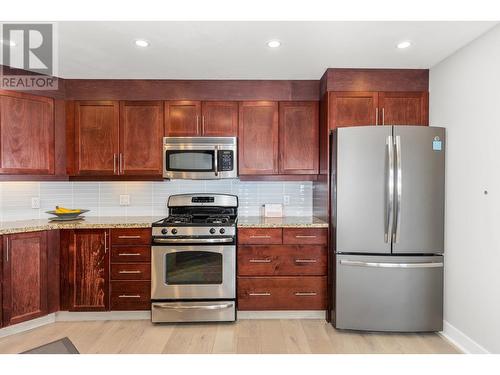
146	198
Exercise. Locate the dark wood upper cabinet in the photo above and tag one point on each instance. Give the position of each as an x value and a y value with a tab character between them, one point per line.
141	133
85	269
96	137
24	277
404	108
219	119
258	138
26	134
298	137
183	118
352	109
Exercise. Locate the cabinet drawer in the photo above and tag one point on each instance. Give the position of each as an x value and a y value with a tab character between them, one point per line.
131	236
282	293
284	260
130	254
259	236
305	236
130	295
131	271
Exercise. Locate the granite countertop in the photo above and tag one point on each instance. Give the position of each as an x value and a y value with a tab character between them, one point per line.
281	222
90	222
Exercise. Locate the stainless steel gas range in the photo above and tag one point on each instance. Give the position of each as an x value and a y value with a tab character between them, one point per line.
193	263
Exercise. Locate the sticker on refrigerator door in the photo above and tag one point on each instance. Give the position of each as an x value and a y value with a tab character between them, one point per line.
437	144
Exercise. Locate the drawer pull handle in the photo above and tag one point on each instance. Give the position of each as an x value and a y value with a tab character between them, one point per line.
125	271
129	237
260	260
299	294
260	294
266	236
129	296
304	236
305	260
128	254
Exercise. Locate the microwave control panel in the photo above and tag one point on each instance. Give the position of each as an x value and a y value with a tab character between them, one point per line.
225	160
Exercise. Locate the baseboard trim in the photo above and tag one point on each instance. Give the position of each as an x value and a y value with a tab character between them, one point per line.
461	340
281	314
29	325
74	316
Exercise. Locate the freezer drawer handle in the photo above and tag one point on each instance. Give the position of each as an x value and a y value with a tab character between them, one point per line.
129	296
260	260
129	271
392	265
305	260
300	294
260	294
195	307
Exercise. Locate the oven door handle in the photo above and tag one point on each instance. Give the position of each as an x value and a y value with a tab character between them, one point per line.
193	240
195	307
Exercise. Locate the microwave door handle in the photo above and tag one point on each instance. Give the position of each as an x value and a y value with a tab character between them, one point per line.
216	160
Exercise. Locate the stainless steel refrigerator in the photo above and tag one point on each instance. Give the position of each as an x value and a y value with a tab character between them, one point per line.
387	186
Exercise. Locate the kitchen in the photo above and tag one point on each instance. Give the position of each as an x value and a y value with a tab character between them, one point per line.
238	214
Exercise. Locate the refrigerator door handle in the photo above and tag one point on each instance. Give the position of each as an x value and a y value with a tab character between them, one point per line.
391	265
399	185
389	209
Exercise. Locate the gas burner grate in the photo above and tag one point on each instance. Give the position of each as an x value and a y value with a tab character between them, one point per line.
178	219
217	219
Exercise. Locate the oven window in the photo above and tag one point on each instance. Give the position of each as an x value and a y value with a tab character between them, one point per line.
186	161
193	267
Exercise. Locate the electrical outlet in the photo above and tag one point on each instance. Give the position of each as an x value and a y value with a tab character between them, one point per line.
35	202
286	200
124	200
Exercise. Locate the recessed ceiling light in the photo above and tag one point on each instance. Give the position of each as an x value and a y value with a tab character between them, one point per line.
403	45
9	43
274	43
141	43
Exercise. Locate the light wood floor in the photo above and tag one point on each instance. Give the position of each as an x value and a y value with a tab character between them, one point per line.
244	336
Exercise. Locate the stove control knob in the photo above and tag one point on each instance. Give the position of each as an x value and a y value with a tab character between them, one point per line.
222	231
174	231
164	231
212	230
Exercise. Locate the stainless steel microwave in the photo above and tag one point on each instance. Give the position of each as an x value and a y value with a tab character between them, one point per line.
200	158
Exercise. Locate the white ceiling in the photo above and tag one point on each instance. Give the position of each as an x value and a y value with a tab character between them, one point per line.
238	50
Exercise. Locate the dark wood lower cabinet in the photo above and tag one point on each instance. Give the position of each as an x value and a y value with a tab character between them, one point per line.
86	269
131	295
282	293
24	286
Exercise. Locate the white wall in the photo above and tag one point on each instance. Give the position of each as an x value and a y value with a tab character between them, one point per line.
146	198
465	98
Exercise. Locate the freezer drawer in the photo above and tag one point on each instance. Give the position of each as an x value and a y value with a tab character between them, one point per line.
389	293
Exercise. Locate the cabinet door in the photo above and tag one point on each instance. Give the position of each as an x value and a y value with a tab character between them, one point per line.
219	119
88	270
182	118
352	109
299	138
26	134
24	277
404	108
96	137
258	138
141	134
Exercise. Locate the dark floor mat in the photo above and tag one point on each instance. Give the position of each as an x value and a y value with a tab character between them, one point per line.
62	346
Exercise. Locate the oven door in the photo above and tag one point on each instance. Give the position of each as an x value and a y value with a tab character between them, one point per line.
193	272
